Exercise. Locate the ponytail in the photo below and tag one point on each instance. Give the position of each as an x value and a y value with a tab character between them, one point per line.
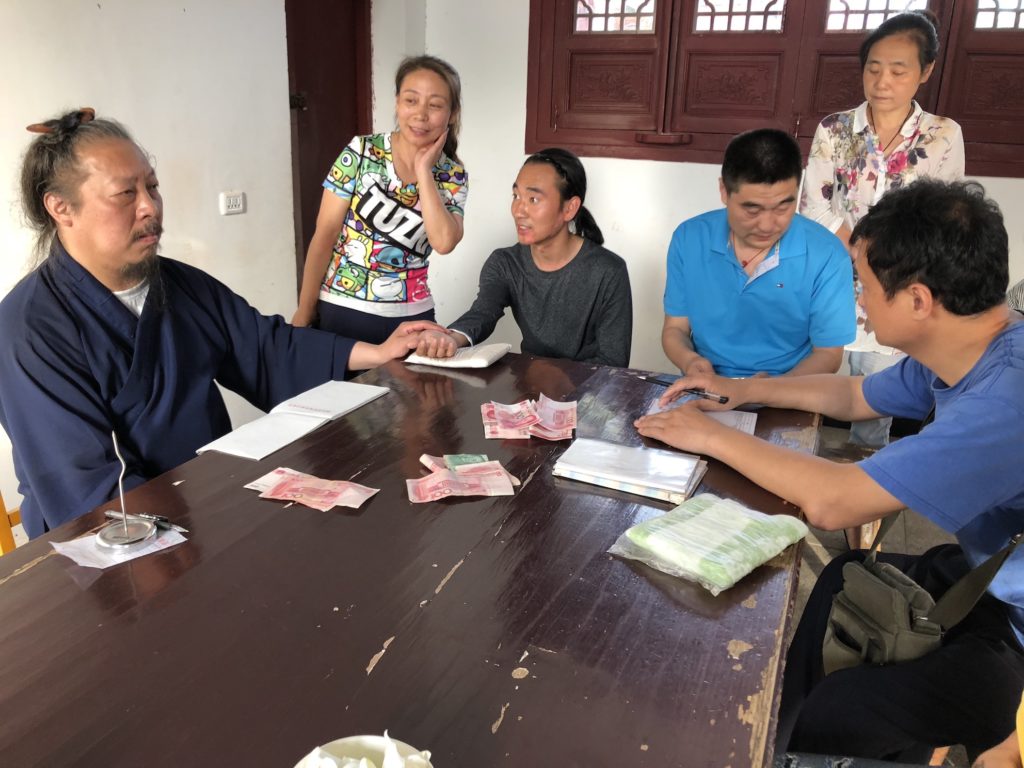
586	226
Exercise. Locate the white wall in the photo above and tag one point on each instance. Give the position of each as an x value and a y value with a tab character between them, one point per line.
636	203
203	86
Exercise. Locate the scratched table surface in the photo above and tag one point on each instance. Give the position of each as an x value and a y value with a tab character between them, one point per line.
491	631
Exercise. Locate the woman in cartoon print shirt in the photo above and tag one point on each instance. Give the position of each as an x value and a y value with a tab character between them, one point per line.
885	143
389	201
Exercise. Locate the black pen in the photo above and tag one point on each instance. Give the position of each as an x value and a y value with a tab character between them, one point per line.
662	379
707	395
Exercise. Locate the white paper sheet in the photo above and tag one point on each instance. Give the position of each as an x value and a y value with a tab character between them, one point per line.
745	421
331	399
262	437
293	418
85	551
467	357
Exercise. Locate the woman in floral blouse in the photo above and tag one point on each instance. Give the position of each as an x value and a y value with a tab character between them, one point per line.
885	143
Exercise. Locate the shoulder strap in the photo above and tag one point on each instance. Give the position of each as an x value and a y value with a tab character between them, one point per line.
960	598
883	528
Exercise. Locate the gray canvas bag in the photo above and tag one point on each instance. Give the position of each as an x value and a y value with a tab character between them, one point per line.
882	616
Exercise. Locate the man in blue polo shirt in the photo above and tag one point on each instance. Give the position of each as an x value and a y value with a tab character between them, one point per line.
755	288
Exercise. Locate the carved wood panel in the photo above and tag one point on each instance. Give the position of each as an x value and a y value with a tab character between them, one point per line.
997	87
609	90
733	84
838	84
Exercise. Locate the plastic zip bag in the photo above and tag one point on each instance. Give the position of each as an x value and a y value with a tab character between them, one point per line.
713	541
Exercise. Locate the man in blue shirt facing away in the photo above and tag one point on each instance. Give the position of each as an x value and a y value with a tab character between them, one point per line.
106	336
755	288
933	263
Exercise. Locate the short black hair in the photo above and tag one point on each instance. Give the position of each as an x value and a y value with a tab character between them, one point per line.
761	156
919	26
947	236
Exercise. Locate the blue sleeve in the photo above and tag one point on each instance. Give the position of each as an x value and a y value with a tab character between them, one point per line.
267	360
60	429
964	463
833	321
675	282
902	390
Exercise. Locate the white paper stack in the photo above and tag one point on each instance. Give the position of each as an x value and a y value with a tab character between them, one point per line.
293	418
652	472
467	357
744	421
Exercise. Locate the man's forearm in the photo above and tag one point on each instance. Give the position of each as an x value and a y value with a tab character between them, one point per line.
831	495
678	347
840	397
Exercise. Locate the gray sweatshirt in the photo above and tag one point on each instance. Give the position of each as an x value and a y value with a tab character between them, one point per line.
583	311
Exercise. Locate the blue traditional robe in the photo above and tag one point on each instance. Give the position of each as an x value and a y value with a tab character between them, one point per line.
75	364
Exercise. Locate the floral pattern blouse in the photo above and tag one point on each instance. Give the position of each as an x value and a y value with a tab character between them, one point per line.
847	172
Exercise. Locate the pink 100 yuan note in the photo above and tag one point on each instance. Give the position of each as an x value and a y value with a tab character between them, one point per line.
444	483
516	416
556	415
485	468
319	493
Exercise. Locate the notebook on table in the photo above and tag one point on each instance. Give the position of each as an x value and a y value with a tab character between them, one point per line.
293	418
652	472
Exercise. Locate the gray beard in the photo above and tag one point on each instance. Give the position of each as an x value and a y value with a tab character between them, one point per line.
148	269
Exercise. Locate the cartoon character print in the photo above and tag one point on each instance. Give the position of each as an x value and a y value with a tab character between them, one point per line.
375	151
407	196
416	285
388	259
450	179
345	168
351	279
366	265
389	287
356	247
415	261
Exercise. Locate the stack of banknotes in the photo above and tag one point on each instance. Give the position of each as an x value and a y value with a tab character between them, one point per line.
289	485
461	474
545	418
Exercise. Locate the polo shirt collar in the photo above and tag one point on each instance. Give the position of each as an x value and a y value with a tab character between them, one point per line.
793	243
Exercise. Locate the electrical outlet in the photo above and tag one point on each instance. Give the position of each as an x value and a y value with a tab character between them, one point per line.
232	203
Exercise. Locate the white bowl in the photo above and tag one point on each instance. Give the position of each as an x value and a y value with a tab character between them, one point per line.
355	747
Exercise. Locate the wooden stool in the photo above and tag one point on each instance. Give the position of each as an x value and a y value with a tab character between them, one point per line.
7	521
862	536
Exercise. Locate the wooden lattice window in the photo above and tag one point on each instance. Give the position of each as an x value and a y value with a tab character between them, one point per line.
739	15
863	15
615	16
1000	14
677	79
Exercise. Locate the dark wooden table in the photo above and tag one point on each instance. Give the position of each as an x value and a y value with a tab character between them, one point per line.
492	631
